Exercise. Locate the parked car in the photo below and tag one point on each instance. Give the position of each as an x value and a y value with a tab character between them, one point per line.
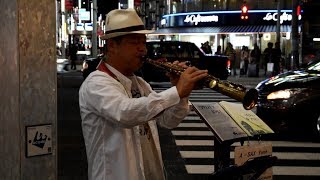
291	100
62	65
90	64
217	65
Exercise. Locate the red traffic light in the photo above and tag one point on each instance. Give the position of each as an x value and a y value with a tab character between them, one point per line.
244	9
68	4
244	12
298	10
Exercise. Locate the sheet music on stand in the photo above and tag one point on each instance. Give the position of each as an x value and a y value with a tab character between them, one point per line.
230	121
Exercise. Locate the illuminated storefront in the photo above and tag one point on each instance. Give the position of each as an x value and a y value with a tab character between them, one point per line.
220	27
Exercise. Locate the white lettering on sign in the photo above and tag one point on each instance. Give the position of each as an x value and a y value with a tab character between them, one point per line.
283	17
198	18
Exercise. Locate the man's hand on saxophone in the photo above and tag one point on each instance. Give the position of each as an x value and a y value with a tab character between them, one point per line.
174	77
188	80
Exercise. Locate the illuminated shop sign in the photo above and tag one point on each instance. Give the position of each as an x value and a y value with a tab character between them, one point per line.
223	18
198	18
283	17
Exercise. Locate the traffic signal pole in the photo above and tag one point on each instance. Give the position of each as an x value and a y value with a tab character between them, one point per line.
294	36
278	20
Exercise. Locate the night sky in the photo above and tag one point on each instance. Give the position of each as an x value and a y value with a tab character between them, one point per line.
104	6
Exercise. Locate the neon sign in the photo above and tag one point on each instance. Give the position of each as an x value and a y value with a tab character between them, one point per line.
198	18
283	17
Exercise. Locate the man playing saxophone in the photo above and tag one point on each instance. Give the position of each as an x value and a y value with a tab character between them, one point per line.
120	112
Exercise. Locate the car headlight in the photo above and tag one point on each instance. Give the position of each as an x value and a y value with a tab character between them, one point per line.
284	94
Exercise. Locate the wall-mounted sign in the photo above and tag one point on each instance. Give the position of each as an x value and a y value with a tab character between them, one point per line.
84	15
283	17
38	140
198	18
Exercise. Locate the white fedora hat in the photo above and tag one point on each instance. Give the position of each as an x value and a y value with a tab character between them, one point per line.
120	22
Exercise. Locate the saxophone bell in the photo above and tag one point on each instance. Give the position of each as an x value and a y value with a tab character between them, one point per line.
250	99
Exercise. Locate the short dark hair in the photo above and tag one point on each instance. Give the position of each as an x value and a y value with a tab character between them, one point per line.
117	39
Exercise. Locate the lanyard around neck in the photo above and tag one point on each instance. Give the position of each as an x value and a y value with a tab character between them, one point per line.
103	67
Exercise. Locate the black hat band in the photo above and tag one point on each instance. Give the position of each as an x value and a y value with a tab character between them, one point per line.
127	29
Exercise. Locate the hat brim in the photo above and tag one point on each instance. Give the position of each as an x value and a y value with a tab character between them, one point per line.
117	34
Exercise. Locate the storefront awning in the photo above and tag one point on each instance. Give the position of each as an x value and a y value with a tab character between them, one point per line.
224	29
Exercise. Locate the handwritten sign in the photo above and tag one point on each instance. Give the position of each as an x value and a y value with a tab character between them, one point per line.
244	153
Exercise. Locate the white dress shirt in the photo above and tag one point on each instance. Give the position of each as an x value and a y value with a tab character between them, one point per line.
111	119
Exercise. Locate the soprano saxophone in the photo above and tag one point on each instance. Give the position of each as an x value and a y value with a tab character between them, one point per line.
236	91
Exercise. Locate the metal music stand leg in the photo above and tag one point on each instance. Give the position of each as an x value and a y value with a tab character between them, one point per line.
221	154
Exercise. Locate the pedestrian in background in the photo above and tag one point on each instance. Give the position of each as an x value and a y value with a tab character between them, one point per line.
267	56
219	51
231	53
244	59
73	56
255	57
276	58
120	111
206	48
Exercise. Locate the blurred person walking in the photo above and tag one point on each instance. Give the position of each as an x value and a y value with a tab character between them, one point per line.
219	51
206	47
73	56
244	60
231	53
276	58
255	57
267	56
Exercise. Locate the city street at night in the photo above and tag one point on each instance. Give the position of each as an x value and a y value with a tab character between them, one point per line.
188	150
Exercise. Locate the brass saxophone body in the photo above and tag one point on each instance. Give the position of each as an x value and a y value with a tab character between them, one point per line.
236	91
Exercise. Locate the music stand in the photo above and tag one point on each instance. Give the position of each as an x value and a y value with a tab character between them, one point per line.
230	123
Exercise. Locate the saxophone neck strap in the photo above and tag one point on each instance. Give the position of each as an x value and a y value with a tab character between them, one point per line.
103	67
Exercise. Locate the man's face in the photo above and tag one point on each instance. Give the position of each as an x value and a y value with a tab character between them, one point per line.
130	50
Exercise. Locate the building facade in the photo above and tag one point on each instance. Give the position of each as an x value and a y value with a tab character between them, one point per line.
219	22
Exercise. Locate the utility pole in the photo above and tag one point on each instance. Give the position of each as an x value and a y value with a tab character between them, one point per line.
294	36
94	30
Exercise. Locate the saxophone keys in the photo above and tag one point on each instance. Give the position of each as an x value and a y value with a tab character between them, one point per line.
212	84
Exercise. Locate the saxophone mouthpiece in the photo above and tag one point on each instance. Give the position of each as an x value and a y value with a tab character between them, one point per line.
143	58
